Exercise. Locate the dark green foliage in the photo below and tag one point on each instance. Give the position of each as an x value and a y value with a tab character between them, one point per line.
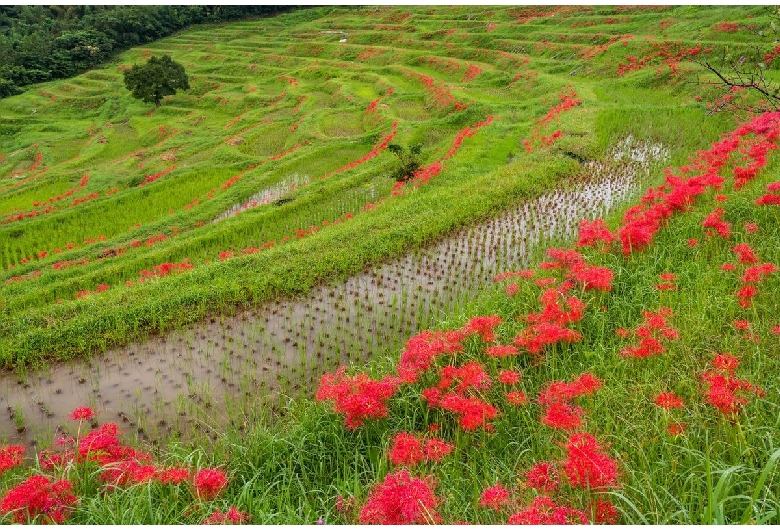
41	43
409	158
159	77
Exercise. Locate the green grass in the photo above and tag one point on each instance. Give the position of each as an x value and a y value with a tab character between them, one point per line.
292	468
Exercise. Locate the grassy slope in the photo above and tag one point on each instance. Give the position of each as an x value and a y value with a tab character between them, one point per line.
712	473
90	125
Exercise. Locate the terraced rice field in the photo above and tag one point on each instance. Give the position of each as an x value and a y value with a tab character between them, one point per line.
193	272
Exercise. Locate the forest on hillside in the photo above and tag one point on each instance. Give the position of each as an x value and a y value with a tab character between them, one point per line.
42	43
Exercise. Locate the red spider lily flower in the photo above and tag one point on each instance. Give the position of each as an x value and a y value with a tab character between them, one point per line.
693	242
758	272
668	277
727	267
173	475
591	233
432	396
586	465
745	253
775	330
741	324
494	497
358	397
592	277
727	393
542	476
473	411
715	220
49	460
401	499
435	449
536	337
562	416
668	400
676	429
483	326
745	294
231	516
11	456
501	351
561	391
209	483
511	289
38	496
405	449
470	375
726	363
768	199
82	413
127	472
509	377
751	228
423	348
604	512
544	511
516	398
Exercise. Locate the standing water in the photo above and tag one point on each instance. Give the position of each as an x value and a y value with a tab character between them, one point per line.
225	372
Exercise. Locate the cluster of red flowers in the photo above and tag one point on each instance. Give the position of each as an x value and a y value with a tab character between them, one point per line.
578	270
495	497
290	80
422	349
544	511
652	334
726	392
587	465
669	53
164	269
358	397
10	456
558	412
726	27
442	97
151	178
39	500
82	183
770	198
288	152
543	476
668	400
591	233
593	51
752	140
467	132
209	483
471	73
401	499
232	516
378	148
408	450
548	327
568	100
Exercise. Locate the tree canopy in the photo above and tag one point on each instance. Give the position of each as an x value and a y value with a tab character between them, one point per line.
159	77
41	43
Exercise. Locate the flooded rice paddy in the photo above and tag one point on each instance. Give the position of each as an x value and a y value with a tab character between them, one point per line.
225	372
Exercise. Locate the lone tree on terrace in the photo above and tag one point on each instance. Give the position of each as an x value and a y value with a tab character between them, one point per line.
159	77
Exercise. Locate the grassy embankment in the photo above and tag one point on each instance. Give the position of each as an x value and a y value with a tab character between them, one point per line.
711	460
281	87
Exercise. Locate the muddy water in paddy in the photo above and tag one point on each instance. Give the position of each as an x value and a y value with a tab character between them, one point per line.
221	372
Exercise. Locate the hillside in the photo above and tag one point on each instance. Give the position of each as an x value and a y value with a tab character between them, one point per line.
618	369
